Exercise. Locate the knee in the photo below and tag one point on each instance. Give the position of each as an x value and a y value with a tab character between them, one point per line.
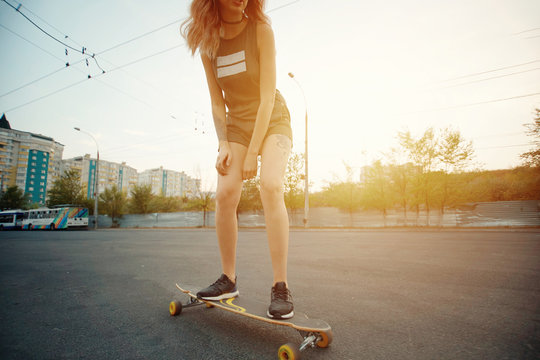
227	196
271	189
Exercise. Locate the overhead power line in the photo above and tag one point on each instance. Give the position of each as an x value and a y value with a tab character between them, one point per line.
529	30
139	37
490	71
95	76
82	51
31	42
51	25
491	78
502	146
102	52
46	95
473	104
33	81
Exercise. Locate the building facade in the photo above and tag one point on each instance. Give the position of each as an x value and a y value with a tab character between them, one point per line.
110	173
169	182
32	162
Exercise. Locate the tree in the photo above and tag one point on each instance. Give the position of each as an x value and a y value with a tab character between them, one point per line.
423	152
401	176
376	188
532	158
202	201
454	153
294	179
14	198
162	203
67	189
141	196
113	202
345	194
250	198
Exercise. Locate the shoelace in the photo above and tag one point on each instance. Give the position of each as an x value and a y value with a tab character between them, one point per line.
220	281
284	294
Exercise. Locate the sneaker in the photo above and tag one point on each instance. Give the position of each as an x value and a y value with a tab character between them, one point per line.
223	288
281	306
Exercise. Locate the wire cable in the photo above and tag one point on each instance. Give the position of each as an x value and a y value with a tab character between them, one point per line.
45	96
471	104
33	82
82	51
490	71
490	78
524	31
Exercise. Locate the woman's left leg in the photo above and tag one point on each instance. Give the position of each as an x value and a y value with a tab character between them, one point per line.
274	157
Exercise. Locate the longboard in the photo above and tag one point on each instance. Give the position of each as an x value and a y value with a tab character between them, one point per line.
314	331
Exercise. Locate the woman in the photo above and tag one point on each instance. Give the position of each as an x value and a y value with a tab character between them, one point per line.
237	49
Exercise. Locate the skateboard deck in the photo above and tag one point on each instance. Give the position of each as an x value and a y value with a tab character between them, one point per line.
314	331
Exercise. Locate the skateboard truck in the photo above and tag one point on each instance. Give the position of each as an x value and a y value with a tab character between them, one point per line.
309	340
291	351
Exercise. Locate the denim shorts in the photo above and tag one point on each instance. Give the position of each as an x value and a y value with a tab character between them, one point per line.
240	131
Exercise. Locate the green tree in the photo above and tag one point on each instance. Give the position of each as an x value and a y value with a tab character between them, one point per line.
454	153
202	201
423	152
14	198
66	190
402	176
377	193
294	181
141	197
165	204
113	201
250	199
532	157
345	194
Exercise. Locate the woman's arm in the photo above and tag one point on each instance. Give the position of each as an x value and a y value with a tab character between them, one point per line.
267	63
219	115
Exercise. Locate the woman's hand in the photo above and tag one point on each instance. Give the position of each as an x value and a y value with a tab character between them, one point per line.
250	167
224	159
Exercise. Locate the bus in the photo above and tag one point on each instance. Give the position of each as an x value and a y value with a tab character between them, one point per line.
61	217
11	219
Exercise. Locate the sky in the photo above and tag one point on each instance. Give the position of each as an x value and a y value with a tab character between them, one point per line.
368	69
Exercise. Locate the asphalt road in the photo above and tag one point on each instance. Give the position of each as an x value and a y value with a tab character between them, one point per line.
387	294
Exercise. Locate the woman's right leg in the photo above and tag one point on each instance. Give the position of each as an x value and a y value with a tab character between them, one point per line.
228	194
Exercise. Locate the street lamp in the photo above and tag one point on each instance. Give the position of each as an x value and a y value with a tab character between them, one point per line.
306	185
96	177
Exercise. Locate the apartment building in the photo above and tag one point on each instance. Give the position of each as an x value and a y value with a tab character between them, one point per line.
169	182
30	161
110	173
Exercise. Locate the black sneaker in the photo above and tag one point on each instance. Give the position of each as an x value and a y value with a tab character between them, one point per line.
223	288
281	306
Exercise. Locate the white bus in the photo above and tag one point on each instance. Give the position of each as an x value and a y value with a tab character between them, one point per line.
62	217
11	219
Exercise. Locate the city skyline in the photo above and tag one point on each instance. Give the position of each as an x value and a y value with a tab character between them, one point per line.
368	70
34	162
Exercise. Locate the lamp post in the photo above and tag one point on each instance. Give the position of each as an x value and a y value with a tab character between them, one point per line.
306	185
96	177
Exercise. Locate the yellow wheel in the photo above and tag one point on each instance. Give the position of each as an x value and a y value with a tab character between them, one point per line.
326	339
288	352
175	308
209	306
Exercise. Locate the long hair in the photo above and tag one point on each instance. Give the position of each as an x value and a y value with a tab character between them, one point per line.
202	28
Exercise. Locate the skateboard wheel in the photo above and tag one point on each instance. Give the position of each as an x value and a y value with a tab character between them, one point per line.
175	308
288	352
209	306
326	340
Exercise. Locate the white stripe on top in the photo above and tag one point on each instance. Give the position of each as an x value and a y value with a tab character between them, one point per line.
231	64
